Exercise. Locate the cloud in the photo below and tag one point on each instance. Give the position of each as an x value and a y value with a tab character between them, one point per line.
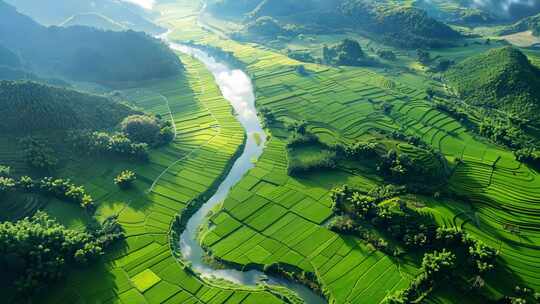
504	5
147	4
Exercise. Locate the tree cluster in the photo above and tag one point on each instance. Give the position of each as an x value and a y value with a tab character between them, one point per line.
38	154
36	251
383	210
62	189
347	53
125	179
105	143
147	129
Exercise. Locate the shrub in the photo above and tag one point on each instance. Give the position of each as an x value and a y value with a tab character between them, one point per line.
5	171
125	179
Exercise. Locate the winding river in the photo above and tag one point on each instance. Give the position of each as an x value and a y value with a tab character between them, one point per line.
237	88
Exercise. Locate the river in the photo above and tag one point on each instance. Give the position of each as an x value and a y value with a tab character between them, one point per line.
237	89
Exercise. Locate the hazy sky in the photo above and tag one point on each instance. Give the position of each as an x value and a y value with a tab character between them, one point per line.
148	4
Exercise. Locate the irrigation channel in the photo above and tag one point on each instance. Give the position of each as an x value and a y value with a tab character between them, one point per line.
237	88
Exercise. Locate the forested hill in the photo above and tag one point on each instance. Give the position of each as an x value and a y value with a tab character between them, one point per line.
86	54
403	26
501	78
26	107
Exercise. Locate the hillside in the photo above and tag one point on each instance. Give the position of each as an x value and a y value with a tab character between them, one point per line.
528	24
8	58
86	54
501	78
28	107
392	23
55	12
94	20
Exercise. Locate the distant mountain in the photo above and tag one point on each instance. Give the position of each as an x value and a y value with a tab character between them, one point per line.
27	107
8	58
56	12
528	24
94	20
502	79
86	54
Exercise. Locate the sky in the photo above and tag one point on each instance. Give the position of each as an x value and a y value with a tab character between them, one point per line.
148	4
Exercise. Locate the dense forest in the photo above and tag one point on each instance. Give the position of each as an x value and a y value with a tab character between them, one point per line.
397	25
86	54
28	107
501	79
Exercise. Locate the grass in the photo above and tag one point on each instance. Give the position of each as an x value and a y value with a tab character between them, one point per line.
278	218
271	217
145	280
142	269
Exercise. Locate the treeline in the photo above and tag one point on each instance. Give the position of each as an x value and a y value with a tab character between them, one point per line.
35	252
86	54
62	189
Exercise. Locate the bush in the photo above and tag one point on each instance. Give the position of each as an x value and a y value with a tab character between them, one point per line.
5	171
125	179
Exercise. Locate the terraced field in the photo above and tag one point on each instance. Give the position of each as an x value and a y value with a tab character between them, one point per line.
280	219
144	269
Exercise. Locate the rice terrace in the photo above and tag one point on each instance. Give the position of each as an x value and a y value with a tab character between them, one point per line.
270	151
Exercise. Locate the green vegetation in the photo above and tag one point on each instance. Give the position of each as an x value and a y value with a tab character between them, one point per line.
125	179
386	21
348	52
147	129
501	79
458	222
87	54
35	251
29	107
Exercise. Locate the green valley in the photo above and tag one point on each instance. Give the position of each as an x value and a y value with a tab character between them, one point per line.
262	151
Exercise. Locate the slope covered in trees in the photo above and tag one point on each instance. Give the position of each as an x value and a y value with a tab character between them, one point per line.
29	106
86	54
395	24
502	79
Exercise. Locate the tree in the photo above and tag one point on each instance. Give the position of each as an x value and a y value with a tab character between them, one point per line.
125	179
347	52
141	128
5	171
438	264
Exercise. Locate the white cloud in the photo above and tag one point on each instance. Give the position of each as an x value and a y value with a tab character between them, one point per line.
147	4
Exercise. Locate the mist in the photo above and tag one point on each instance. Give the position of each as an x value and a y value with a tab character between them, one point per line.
147	4
508	8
